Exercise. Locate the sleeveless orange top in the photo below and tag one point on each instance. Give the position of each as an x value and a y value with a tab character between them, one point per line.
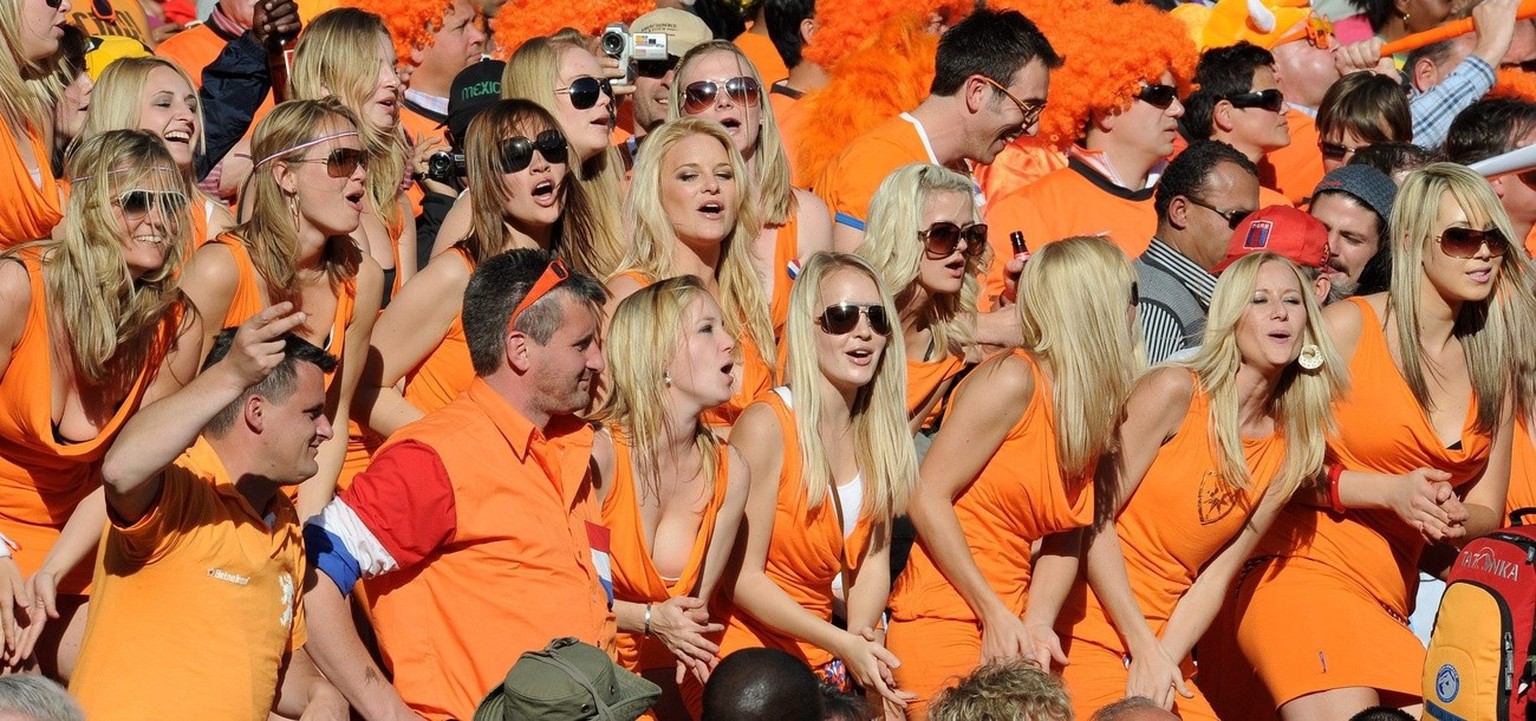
28	210
805	554
1016	499
1180	517
786	249
43	478
635	578
1522	470
924	379
447	371
1383	429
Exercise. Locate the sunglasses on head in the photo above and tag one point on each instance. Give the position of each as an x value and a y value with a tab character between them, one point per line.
1460	242
1335	151
554	274
656	69
1272	100
942	238
517	153
1319	30
1158	95
1030	108
1233	217
700	96
842	318
137	203
341	162
584	91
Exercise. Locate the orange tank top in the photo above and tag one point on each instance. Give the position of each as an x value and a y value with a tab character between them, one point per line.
924	379
786	250
28	210
635	578
447	371
1522	470
1016	499
1383	429
1180	517
807	551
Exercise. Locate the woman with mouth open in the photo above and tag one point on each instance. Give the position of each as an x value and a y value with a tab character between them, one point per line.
303	202
1422	456
31	200
156	95
93	326
1209	451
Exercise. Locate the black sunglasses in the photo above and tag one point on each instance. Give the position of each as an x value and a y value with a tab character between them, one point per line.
1233	217
842	318
1158	95
700	95
517	153
137	203
1272	100
656	69
1459	242
584	91
1335	151
341	162
942	238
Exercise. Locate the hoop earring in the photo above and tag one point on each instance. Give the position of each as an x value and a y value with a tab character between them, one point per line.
1311	357
293	207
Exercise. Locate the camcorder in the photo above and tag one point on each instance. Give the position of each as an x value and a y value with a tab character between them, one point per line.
445	167
619	43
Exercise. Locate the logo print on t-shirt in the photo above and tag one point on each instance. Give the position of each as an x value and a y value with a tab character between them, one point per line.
1217	499
286	582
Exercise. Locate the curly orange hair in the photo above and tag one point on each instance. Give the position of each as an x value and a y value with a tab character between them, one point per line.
1515	84
522	20
411	23
843	26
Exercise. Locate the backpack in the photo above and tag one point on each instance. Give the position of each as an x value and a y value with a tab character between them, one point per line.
1481	660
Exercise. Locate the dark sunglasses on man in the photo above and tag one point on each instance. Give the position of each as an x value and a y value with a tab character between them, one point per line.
1158	95
1272	100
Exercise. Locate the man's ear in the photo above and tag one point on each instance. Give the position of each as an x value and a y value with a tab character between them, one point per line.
1178	212
251	412
975	92
519	348
1424	75
1221	116
808	28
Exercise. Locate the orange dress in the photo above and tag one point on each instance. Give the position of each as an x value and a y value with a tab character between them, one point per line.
1016	499
1522	471
28	210
43	477
805	555
1357	572
1180	517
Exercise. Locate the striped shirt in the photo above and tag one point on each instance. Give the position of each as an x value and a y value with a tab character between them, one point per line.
1175	293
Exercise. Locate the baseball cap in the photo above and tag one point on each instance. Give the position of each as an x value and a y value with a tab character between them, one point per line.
474	88
568	681
683	29
1368	185
1282	230
103	50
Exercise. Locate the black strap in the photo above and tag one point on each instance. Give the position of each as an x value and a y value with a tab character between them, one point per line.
782	88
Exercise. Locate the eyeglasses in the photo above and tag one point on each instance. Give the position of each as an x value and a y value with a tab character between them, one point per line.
1459	242
1233	217
656	69
1272	100
553	275
1031	109
1336	151
942	238
340	163
700	95
584	91
1158	95
517	153
137	203
842	318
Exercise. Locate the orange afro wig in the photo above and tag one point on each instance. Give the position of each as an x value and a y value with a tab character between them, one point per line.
522	20
1514	84
412	23
845	25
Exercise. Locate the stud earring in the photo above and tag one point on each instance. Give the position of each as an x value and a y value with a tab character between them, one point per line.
666	378
1311	357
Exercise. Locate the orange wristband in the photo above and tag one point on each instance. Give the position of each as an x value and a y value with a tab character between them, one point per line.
1334	471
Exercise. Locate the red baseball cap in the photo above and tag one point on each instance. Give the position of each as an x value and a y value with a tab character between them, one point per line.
1281	230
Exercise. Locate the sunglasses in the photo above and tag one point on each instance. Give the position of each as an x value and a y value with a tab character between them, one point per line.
1233	217
656	69
1272	100
138	203
553	275
1031	108
1335	151
341	162
584	91
517	153
842	318
700	96
1158	95
1465	242
942	238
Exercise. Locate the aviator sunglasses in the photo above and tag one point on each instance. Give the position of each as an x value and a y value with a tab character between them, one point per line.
700	95
942	238
584	91
1233	217
1460	242
137	203
842	318
340	163
517	153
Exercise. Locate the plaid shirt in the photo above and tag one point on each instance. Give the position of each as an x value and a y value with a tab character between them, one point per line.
1435	108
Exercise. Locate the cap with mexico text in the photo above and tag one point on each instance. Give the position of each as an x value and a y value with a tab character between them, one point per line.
474	88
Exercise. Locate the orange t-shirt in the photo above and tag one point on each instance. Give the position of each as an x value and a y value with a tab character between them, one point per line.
1017	498
28	210
1295	169
195	49
127	19
786	115
1268	197
1024	161
1522	470
43	478
195	604
807	551
764	56
852	177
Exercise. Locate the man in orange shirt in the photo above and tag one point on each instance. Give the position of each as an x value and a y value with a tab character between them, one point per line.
791	23
474	528
456	44
758	45
195	605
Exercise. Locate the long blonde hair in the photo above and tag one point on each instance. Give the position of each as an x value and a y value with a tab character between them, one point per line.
24	82
653	238
1074	300
531	73
892	243
335	57
645	334
883	446
1487	329
118	97
1302	401
770	163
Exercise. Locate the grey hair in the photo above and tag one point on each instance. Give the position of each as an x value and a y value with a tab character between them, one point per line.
37	698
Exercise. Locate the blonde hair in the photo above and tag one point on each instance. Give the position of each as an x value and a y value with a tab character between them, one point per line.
487	182
24	83
270	231
893	244
653	239
531	73
883	446
645	334
118	98
1487	329
335	57
1014	690
770	163
1302	401
1074	298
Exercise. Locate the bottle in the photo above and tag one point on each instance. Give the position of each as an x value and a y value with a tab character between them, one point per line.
279	63
1020	251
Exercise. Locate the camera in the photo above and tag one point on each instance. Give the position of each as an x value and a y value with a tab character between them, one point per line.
619	43
445	167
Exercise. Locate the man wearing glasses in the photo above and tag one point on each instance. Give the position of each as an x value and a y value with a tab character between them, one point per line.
1239	103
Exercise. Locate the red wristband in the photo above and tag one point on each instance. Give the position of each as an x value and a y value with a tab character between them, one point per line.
1334	471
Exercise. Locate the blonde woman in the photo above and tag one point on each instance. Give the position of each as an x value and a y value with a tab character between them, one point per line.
692	214
1422	455
1209	452
347	54
304	201
156	95
30	198
1013	464
716	81
671	492
93	326
831	463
